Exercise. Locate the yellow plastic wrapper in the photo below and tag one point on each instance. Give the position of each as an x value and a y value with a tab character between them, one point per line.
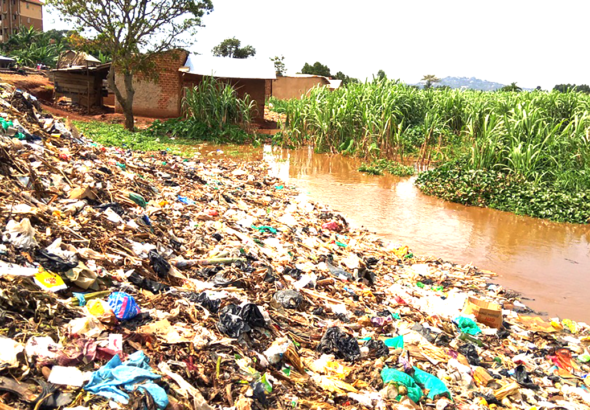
51	282
96	307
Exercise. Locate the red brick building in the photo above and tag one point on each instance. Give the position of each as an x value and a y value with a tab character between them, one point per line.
178	70
15	14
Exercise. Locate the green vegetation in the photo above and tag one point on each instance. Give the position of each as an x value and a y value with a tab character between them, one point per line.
457	182
320	69
538	141
563	88
114	135
379	166
232	47
214	112
132	32
30	47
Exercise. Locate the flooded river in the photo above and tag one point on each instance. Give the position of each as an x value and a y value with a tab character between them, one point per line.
547	262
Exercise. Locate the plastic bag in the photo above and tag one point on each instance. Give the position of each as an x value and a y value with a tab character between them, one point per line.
159	264
523	378
470	352
123	305
395	342
377	348
20	234
467	325
289	299
395	376
236	320
55	263
143	283
342	345
431	383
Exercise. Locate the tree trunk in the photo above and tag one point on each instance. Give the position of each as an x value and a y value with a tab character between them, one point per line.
127	101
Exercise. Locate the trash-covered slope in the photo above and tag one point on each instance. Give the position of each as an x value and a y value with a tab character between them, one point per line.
150	281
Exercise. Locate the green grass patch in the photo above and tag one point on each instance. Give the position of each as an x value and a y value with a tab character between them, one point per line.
114	135
379	166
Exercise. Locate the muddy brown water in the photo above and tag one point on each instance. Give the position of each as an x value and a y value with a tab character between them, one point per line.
549	263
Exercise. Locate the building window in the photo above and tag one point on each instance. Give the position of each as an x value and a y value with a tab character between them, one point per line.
28	19
27	5
14	16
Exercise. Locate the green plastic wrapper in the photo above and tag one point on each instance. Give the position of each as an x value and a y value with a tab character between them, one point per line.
395	376
396	342
467	325
138	199
264	229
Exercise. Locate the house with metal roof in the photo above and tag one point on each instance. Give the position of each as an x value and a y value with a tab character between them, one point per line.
248	76
178	70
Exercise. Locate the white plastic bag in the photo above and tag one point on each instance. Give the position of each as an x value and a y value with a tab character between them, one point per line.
20	234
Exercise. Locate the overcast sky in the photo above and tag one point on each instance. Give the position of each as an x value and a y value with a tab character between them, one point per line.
530	42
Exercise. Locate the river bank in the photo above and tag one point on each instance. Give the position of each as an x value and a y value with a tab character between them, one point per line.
228	288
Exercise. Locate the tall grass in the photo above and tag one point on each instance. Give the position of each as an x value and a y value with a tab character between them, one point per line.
217	104
213	111
539	136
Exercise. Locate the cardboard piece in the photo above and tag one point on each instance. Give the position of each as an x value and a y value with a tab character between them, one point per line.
488	313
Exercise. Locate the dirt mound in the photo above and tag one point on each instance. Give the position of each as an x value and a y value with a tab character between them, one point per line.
36	84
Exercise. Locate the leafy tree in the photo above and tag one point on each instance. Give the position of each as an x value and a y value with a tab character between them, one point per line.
381	75
132	32
30	47
279	63
563	88
429	80
511	88
345	79
316	69
232	47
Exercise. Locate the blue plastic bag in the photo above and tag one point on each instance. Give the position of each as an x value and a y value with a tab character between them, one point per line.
135	373
123	305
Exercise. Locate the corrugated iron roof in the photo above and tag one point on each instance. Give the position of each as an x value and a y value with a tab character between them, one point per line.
3	58
225	67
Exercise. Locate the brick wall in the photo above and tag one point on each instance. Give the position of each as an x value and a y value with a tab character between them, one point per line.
255	88
160	99
286	88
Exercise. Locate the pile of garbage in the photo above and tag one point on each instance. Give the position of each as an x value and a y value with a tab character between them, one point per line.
150	281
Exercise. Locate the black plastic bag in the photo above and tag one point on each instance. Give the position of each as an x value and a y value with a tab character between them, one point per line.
236	320
209	271
470	352
293	272
252	315
212	305
159	264
259	393
377	348
342	345
54	263
523	378
151	285
366	276
290	299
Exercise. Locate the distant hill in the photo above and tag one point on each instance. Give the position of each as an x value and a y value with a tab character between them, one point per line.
471	83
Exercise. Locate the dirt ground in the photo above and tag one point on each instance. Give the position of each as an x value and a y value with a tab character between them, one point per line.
140	122
36	84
